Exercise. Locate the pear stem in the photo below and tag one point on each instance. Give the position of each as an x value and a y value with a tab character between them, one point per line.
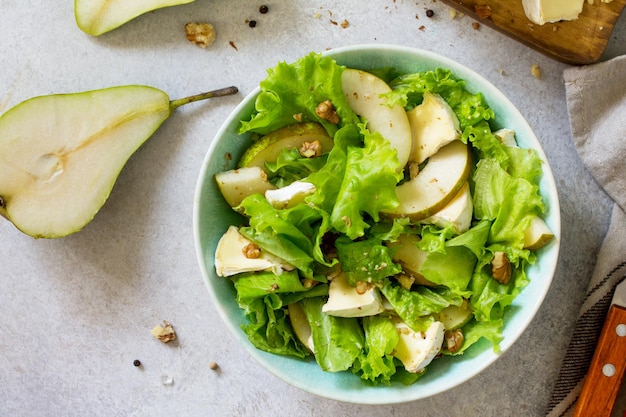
221	92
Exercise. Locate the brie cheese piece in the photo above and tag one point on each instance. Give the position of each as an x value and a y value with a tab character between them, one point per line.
230	258
550	11
345	301
289	196
416	350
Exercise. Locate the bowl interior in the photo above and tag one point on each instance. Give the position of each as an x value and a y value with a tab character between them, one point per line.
212	216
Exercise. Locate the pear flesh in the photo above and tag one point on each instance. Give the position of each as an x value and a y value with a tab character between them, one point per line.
96	17
363	92
434	124
60	155
436	185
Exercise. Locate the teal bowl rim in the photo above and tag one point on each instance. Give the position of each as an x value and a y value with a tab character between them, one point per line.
446	372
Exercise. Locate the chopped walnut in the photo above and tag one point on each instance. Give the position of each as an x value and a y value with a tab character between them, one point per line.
344	24
405	281
251	251
535	71
164	333
454	340
362	287
325	110
414	169
310	149
501	268
201	34
482	10
476	25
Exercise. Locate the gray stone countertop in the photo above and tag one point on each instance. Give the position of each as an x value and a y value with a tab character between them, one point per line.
75	312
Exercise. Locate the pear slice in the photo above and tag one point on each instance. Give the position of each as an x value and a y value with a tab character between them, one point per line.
301	326
433	124
410	257
436	185
96	17
237	184
454	317
537	235
61	154
363	92
457	212
267	148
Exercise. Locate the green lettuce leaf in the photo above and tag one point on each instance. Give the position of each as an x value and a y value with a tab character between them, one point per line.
376	363
365	260
291	93
338	341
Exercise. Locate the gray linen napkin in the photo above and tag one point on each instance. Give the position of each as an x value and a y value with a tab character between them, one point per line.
596	101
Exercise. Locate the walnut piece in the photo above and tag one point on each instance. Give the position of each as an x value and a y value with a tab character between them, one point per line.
325	110
501	268
362	287
311	149
164	333
201	34
251	251
482	10
454	340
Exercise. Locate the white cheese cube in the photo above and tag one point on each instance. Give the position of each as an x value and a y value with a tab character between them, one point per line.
416	350
289	196
345	301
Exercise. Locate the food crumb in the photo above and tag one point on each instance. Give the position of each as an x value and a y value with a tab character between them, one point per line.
430	13
232	44
164	333
452	13
476	25
252	23
167	380
535	71
344	24
422	28
263	9
201	34
137	362
213	366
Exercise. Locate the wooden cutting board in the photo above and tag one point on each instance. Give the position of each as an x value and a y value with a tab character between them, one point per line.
576	42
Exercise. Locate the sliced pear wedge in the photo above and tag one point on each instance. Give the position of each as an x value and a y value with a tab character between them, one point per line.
237	184
267	148
458	212
301	326
60	155
436	185
433	124
96	17
363	91
410	257
538	234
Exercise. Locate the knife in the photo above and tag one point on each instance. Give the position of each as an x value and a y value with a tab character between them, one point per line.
604	378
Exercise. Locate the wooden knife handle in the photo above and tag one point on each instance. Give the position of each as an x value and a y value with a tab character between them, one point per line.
606	371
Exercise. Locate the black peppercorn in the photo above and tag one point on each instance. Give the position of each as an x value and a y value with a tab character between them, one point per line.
429	13
252	23
263	9
136	362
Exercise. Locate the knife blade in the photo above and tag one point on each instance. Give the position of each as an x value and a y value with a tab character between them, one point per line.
606	371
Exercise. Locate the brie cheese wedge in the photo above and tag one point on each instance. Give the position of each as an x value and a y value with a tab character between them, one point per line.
550	11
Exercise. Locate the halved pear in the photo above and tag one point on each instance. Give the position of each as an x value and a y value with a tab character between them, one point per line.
363	91
61	154
267	148
96	17
237	184
538	234
433	124
457	212
436	185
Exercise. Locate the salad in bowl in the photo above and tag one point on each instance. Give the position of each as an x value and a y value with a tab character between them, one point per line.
387	222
